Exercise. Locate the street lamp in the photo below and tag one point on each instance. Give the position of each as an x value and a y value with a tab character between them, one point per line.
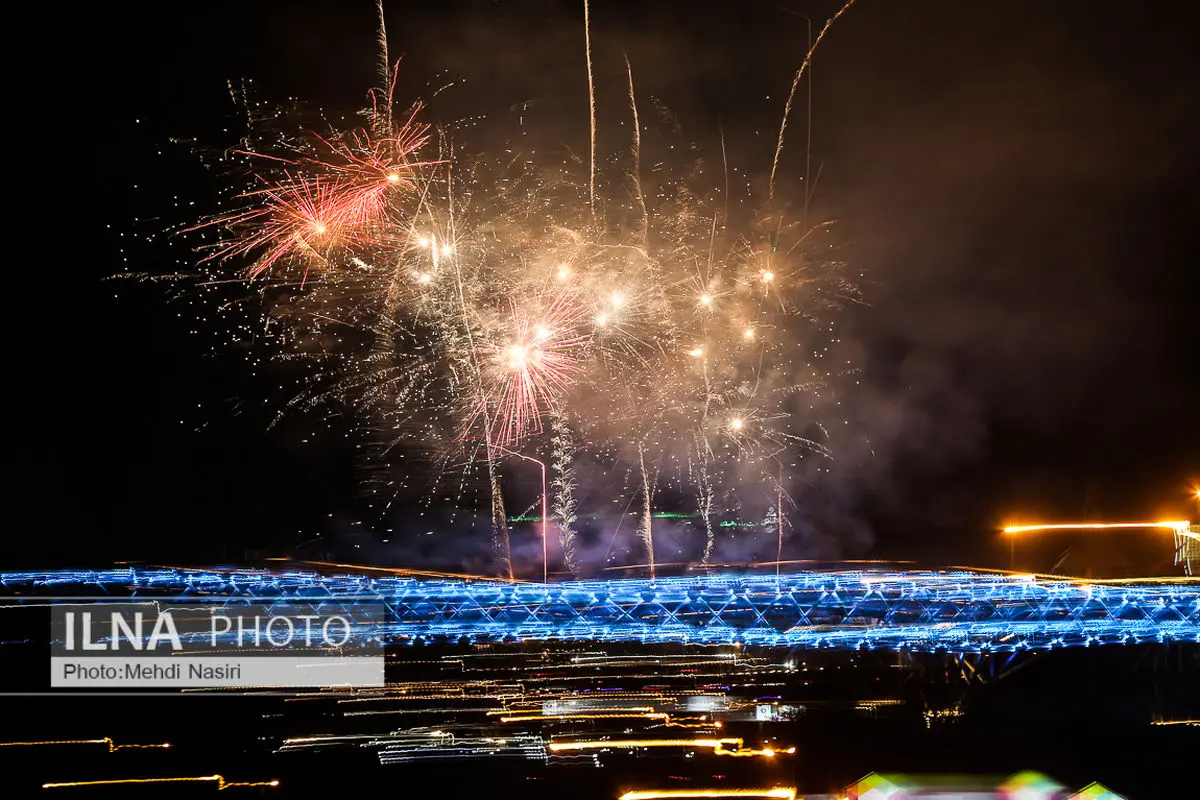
545	512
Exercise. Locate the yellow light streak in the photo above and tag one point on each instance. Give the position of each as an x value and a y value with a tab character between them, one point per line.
1178	525
661	794
386	570
635	711
222	784
1048	578
334	738
650	715
112	747
718	746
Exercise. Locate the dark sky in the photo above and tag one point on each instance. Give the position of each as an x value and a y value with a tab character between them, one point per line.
1017	181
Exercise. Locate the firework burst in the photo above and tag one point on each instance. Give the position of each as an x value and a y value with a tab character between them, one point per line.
530	367
502	308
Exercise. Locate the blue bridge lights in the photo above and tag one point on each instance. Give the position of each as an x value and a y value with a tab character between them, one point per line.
956	610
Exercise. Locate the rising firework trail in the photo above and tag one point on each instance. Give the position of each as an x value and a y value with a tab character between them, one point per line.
587	45
787	109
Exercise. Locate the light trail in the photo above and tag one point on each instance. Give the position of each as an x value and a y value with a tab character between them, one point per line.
331	740
1177	525
222	784
741	565
416	573
662	717
517	716
112	747
1032	577
429	745
404	711
401	748
778	793
718	746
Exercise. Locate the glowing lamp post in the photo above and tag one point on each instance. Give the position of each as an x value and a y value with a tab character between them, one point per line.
545	514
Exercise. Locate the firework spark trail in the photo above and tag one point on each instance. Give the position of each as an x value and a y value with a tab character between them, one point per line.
787	109
563	484
500	537
587	42
704	492
637	158
646	530
386	73
779	522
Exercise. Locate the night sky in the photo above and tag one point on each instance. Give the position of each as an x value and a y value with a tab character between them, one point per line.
1016	180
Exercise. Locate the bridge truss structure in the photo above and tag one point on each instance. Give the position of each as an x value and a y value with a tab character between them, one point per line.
956	611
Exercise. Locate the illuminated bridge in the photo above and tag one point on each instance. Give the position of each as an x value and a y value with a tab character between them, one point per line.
959	610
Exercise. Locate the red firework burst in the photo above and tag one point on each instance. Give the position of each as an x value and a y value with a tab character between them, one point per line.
304	215
531	370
